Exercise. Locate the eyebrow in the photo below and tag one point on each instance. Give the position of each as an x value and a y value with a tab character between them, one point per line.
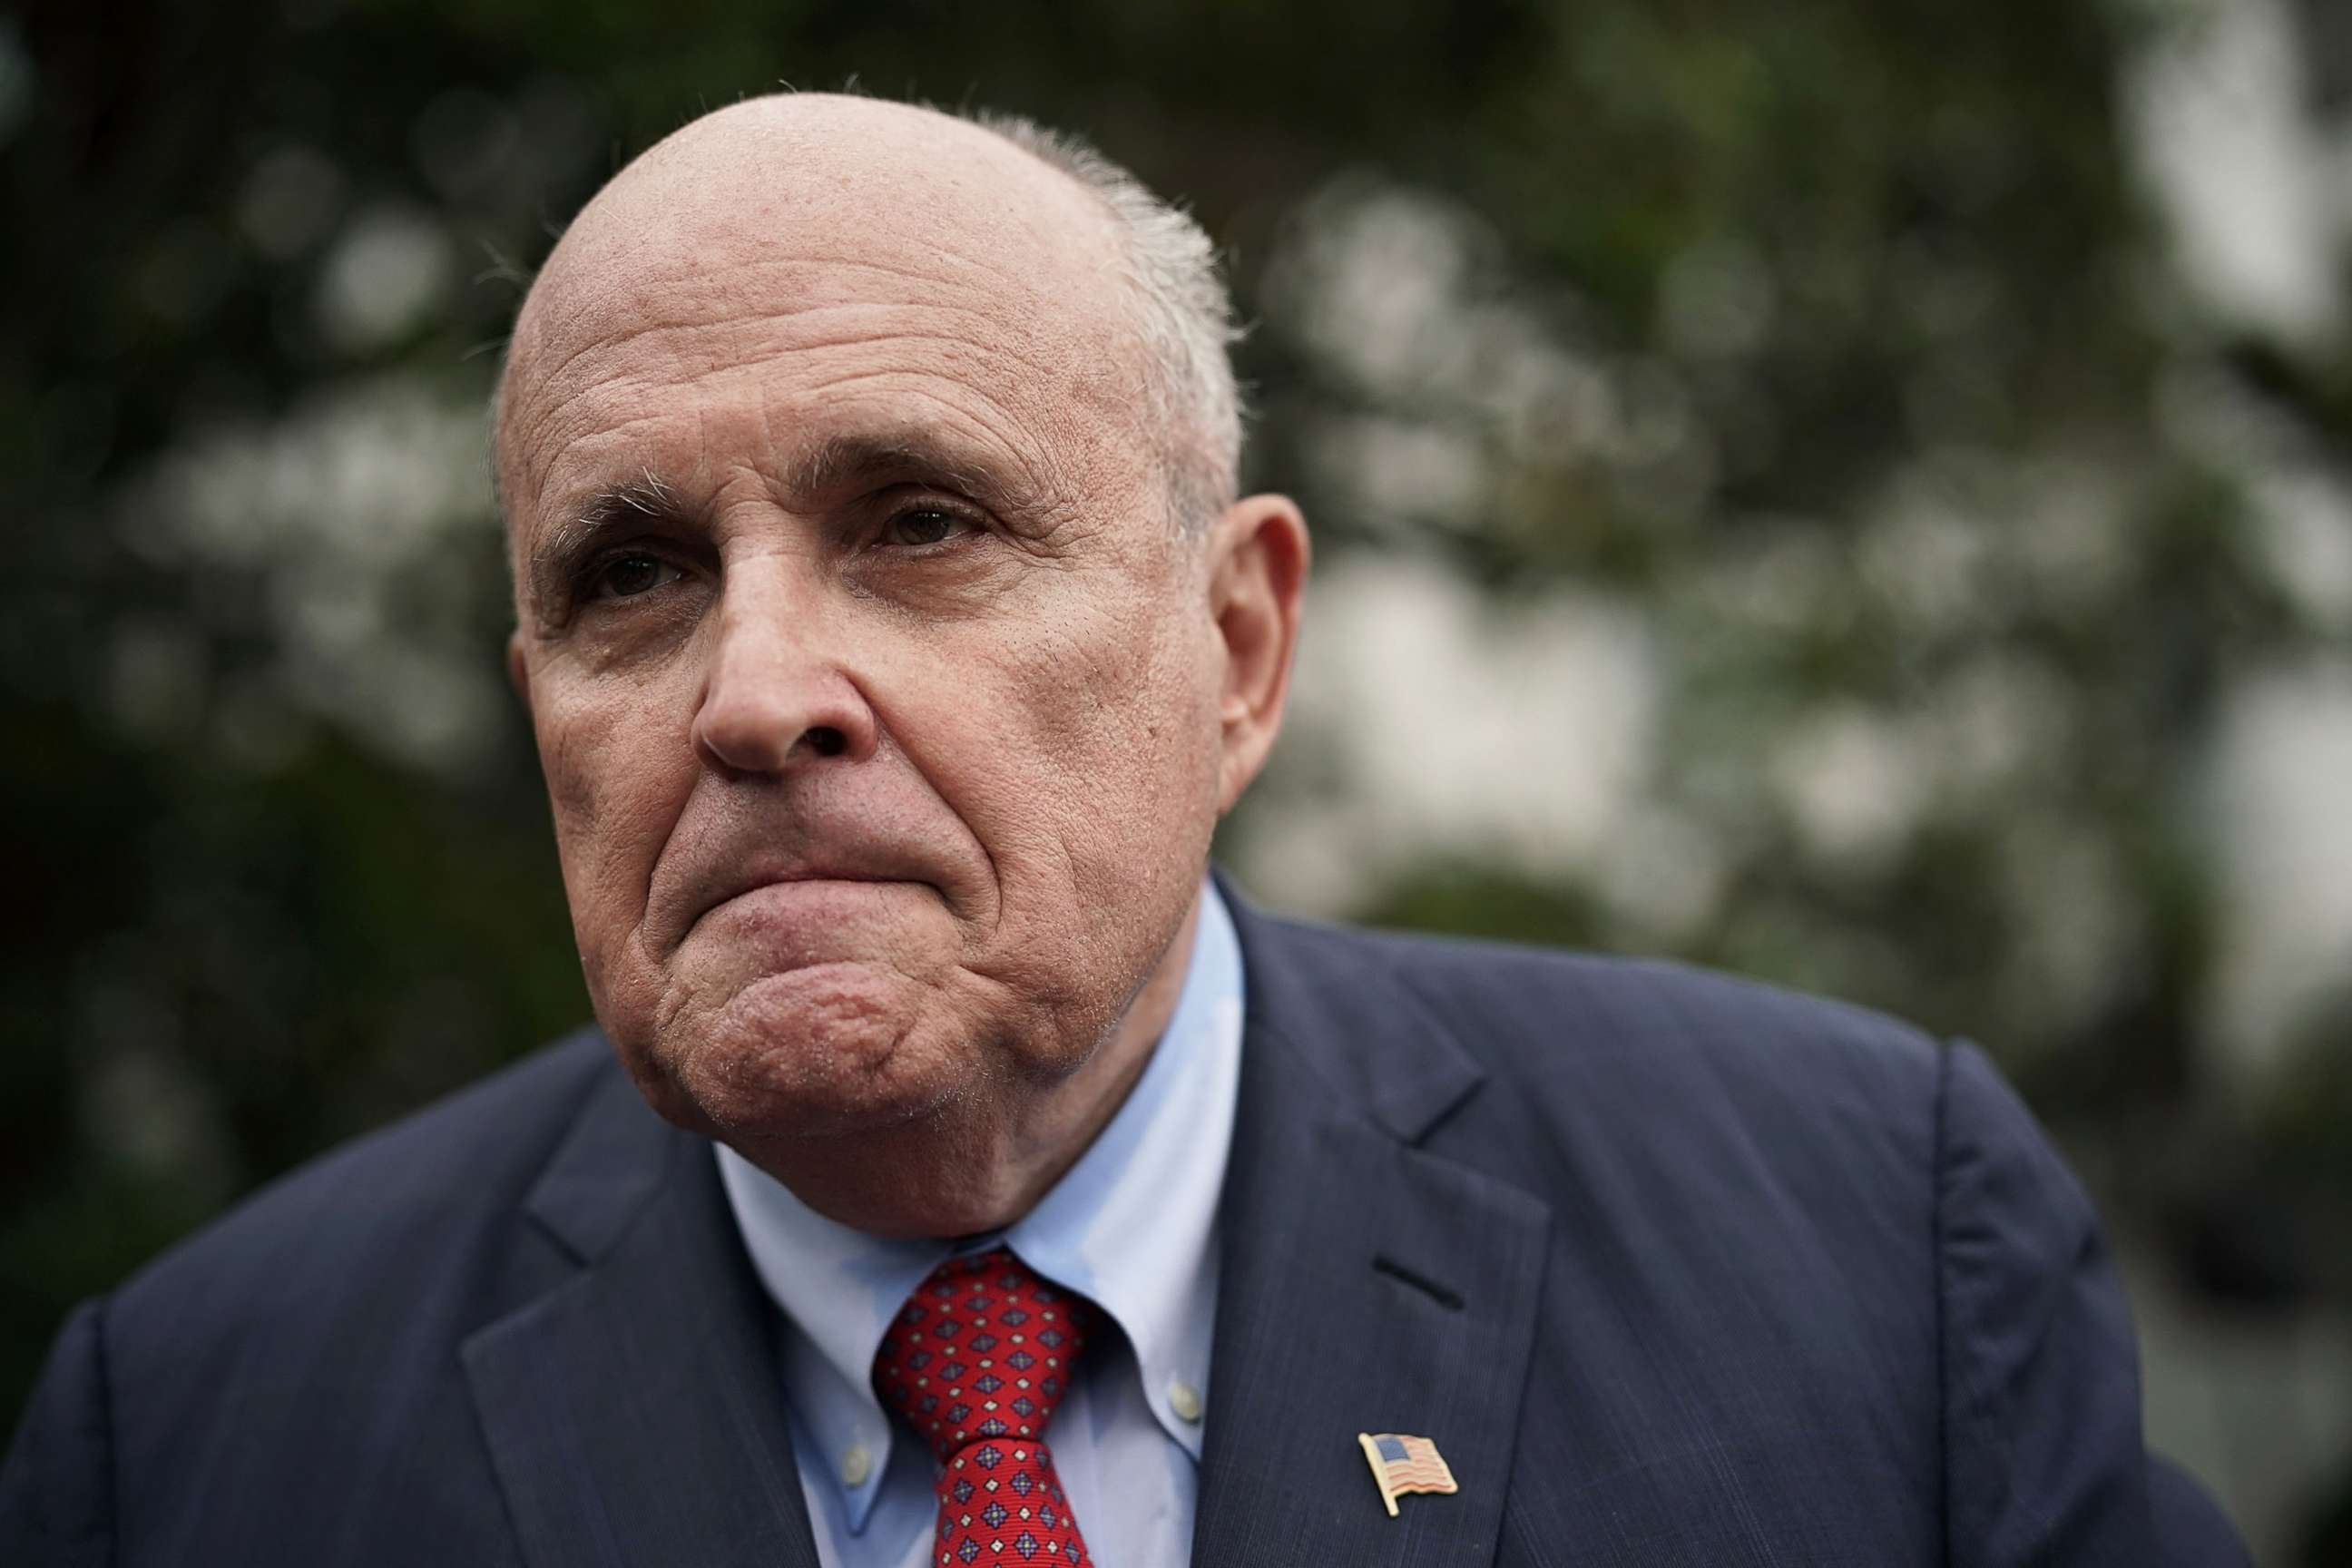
605	513
868	457
840	462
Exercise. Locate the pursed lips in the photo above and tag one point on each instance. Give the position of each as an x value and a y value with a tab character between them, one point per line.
755	880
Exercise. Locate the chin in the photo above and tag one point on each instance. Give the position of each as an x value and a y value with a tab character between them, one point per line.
813	1051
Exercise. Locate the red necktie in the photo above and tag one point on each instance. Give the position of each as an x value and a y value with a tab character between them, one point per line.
979	1358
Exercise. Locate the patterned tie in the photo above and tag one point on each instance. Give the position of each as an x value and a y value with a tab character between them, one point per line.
976	1362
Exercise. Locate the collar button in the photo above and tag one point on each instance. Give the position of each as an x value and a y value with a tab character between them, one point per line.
856	1466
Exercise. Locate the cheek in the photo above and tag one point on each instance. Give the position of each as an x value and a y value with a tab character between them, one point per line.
1083	747
618	763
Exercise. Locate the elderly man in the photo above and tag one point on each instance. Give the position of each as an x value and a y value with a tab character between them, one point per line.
894	641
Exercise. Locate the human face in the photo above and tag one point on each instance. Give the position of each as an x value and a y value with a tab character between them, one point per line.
877	701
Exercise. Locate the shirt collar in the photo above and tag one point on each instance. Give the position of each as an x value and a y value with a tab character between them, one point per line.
1131	1224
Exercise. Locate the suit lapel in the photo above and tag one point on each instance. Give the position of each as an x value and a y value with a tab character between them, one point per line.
1366	1286
633	1412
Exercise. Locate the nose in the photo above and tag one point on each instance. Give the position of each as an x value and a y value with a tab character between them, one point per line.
772	700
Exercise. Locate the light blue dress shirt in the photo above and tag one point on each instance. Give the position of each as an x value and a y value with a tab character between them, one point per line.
1132	1224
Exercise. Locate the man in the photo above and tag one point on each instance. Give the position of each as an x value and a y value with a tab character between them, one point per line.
894	639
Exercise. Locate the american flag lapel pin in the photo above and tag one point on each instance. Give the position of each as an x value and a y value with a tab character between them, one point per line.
1403	1464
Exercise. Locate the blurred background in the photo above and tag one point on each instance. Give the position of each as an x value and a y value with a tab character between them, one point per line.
1856	491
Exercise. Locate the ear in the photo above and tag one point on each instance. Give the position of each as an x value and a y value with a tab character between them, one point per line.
1257	571
518	672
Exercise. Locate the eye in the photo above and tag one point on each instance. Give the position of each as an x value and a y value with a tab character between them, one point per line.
920	525
626	576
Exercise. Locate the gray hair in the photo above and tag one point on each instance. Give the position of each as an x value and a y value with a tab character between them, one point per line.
1186	315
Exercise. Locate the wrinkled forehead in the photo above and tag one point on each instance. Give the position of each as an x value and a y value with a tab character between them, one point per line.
787	228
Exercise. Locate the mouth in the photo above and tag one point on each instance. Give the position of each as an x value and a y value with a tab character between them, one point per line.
805	888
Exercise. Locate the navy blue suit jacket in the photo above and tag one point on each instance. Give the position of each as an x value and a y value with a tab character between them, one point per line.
1674	1268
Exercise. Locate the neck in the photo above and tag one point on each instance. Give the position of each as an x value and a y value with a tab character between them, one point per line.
980	1162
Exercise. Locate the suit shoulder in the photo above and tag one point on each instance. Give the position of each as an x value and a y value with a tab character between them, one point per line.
1520	1007
406	1192
1653	1099
1604	1047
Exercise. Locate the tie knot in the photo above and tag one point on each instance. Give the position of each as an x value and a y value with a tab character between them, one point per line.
983	1349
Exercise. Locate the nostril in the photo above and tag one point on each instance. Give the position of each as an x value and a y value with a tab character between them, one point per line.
827	740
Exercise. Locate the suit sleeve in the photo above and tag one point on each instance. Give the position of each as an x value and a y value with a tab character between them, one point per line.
2043	1459
56	1484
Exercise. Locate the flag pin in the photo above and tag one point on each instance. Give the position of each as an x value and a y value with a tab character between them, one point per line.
1403	1464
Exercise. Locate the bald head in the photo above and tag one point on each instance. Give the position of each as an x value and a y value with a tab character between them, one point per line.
757	202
